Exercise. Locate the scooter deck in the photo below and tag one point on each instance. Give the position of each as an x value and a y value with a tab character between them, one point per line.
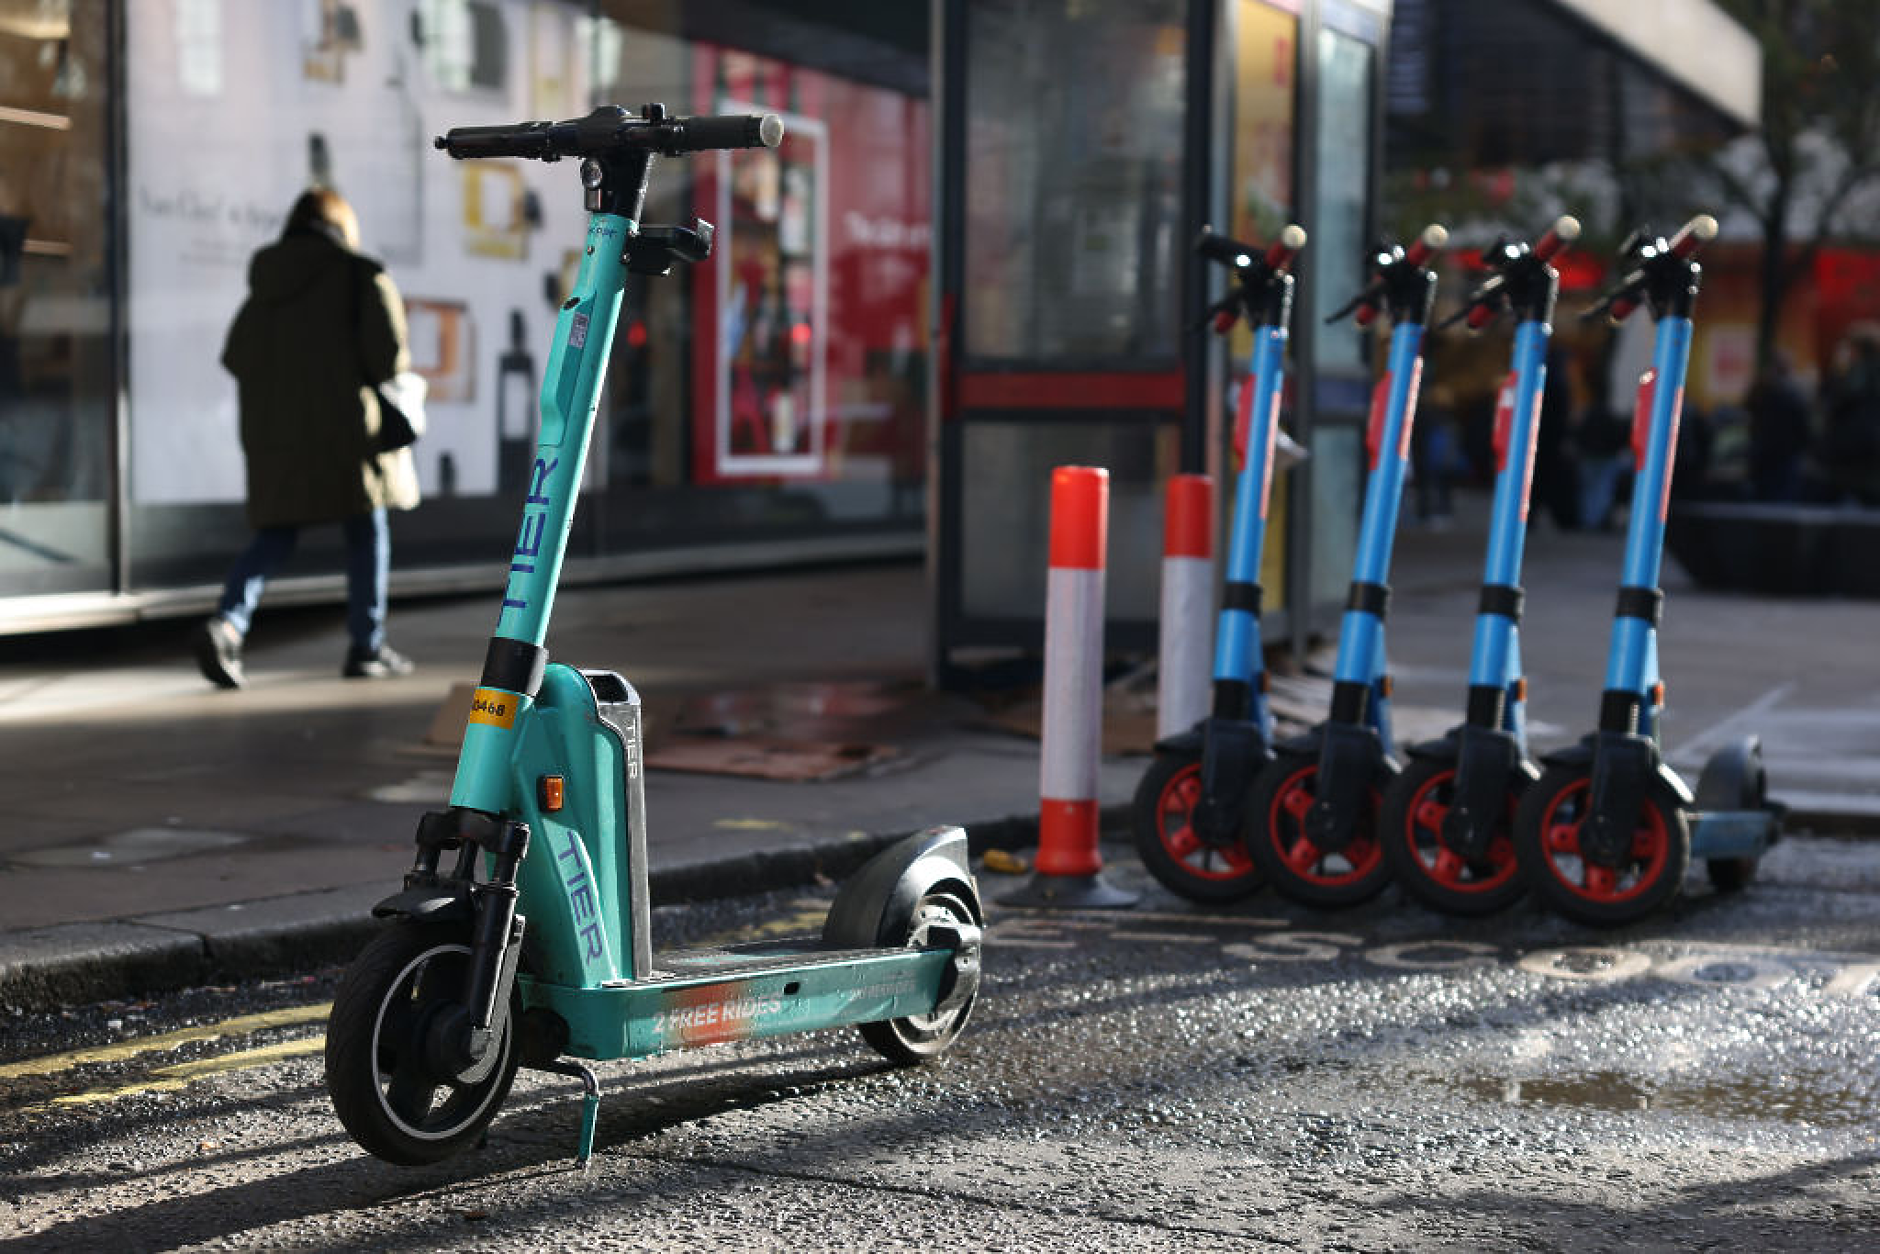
761	955
1733	833
768	988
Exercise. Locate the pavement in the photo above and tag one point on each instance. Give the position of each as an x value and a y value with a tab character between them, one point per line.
165	833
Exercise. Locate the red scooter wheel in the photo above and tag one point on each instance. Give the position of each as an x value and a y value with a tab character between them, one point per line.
1547	830
1168	844
1415	805
1283	794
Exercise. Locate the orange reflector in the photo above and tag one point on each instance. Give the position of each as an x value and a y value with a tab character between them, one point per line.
1658	694
1266	682
551	793
1520	689
1386	687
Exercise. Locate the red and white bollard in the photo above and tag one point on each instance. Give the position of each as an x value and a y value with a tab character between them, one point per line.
1184	671
1068	870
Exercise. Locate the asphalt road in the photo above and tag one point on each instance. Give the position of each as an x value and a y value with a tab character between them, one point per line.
1160	1079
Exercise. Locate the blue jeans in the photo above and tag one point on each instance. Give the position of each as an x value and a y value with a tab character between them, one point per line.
368	566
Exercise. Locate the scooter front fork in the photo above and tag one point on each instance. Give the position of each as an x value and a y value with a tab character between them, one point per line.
1486	757
1350	755
1624	764
462	1041
1232	750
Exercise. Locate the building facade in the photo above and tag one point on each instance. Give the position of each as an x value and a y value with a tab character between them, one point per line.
968	262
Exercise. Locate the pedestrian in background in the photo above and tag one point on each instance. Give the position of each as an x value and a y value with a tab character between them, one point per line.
322	326
1778	432
1556	472
1851	440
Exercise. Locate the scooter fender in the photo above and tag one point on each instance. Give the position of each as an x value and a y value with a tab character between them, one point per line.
1733	777
1580	755
872	909
1183	742
1444	749
429	904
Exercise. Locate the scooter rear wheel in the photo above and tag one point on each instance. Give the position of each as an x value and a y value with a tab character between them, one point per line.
1745	770
1283	792
1547	830
1171	847
384	1087
1415	805
917	1038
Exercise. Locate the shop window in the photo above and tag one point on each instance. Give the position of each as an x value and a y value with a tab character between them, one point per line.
56	372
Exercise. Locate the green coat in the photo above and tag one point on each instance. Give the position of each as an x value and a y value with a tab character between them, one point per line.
321	327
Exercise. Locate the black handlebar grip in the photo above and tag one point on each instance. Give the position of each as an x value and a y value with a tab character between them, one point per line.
522	139
728	131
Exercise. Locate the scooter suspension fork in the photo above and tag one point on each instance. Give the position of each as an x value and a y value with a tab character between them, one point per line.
497	944
1486	759
1348	763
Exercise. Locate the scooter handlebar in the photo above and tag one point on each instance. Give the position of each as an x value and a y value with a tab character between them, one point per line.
1428	244
733	130
1693	235
613	129
1563	232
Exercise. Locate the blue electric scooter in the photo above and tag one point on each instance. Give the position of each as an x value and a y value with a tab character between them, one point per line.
1447	820
1311	825
1190	805
1608	833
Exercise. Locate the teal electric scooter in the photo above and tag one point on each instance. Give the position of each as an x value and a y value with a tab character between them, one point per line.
522	936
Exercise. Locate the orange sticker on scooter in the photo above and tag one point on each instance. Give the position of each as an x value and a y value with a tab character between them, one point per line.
494	707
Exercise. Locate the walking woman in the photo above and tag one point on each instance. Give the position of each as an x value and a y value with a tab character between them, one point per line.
321	328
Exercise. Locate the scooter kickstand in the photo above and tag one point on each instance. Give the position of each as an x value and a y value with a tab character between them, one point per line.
590	1104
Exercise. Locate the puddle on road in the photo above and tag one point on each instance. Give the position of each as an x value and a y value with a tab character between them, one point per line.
1794	1100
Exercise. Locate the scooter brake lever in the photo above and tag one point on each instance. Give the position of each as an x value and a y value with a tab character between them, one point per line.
1456	317
1368	295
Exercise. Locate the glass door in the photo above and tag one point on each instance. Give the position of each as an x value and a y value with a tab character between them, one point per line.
1063	249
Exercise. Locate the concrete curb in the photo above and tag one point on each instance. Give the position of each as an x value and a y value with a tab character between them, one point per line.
75	964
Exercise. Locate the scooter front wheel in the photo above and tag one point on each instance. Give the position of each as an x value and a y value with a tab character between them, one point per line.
1547	831
1283	793
1167	841
386	1088
1411	821
917	1038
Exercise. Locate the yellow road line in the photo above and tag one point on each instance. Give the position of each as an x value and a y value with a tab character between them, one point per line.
168	1079
52	1064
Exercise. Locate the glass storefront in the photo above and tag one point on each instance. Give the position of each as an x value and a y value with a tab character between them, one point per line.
1073	187
56	357
775	393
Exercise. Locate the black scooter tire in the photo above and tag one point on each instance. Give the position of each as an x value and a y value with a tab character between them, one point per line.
1546	842
919	1038
1412	847
1733	875
1181	861
1273	828
380	1086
